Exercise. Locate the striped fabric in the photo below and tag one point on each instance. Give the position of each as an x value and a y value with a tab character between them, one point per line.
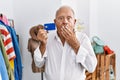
7	40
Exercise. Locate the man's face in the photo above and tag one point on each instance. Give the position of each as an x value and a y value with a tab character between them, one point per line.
65	18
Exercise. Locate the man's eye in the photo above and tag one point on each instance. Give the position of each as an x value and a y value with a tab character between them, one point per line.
60	18
69	18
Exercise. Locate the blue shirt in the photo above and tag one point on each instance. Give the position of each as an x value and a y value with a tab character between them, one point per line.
3	70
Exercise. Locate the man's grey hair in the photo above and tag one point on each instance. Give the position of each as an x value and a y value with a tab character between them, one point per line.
65	6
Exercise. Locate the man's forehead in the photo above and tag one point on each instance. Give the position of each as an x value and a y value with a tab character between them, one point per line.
63	14
65	10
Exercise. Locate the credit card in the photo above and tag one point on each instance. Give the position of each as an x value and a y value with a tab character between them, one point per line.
49	26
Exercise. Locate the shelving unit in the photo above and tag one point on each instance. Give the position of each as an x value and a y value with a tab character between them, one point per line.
106	68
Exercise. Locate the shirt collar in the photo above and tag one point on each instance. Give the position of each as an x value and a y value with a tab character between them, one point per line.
57	37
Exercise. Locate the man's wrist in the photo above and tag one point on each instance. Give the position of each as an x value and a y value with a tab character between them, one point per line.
42	47
76	46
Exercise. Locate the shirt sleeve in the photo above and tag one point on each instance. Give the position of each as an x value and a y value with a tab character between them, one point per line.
86	56
38	58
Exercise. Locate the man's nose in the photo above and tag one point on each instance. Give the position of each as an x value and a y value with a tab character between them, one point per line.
65	22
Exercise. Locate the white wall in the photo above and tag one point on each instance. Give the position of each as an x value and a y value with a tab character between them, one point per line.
81	8
93	18
109	26
6	7
104	22
83	14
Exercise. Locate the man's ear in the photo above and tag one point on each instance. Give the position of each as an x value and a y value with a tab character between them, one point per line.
75	21
54	20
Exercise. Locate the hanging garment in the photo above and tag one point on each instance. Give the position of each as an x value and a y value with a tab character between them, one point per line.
9	69
3	70
4	19
17	61
0	77
7	40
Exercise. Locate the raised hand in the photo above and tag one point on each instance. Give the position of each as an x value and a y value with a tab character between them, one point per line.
70	37
42	36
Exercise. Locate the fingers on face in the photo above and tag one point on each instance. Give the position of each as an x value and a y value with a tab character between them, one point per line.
66	31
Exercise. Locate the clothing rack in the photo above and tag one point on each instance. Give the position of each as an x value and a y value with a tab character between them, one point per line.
1	15
16	54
